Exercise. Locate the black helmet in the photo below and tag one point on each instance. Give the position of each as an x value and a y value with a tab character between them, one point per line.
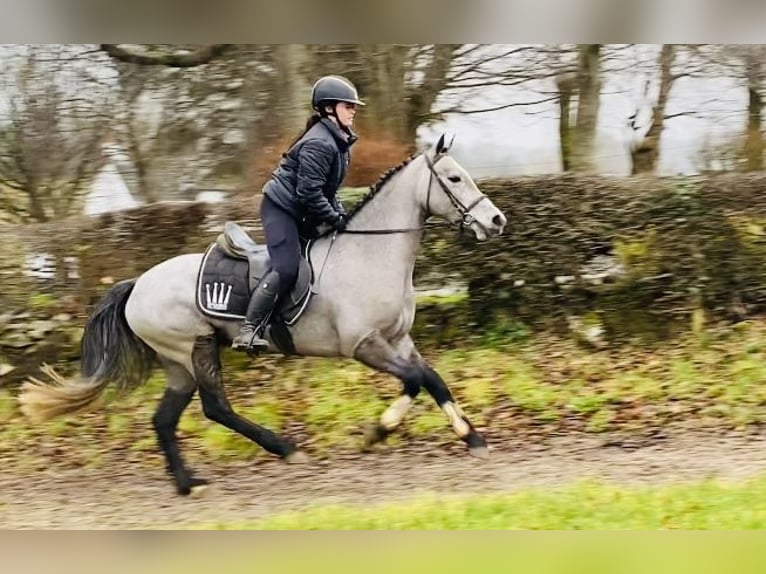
333	88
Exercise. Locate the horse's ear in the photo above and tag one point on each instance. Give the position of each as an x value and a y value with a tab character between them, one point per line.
440	146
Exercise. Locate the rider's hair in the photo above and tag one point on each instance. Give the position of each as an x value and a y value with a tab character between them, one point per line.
310	123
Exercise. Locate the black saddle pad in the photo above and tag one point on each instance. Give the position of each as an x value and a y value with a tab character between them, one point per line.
223	287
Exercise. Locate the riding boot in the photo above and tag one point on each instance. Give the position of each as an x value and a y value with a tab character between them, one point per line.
258	311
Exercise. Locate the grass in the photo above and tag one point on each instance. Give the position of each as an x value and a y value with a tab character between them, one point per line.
539	384
584	505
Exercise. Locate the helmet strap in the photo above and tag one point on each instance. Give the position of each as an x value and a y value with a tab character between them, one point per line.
334	114
332	111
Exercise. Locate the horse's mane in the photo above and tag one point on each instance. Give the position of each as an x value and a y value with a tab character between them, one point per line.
378	185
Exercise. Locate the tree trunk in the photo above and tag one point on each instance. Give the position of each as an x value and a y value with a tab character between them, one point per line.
287	106
588	100
566	87
285	111
754	143
382	88
421	98
646	153
36	208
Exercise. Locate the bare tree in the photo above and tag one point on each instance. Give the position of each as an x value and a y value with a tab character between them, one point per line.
754	144
51	145
645	151
521	72
744	65
541	79
401	82
194	128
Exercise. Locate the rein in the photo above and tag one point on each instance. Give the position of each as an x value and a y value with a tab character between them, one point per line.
381	231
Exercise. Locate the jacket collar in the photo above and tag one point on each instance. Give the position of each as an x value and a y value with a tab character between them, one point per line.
345	138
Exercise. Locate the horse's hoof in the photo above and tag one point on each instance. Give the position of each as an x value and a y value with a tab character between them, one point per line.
198	490
193	487
297	457
373	434
479	451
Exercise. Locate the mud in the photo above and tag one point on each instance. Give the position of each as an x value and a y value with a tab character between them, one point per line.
128	495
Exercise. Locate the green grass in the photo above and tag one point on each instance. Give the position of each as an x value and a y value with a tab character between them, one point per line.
542	383
454	298
351	195
584	505
6	406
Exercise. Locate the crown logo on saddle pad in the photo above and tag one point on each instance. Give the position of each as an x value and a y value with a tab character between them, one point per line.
218	296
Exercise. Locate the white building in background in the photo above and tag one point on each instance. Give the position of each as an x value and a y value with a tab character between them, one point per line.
111	187
212	196
109	192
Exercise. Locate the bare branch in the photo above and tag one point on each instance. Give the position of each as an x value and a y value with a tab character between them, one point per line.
681	114
175	60
500	107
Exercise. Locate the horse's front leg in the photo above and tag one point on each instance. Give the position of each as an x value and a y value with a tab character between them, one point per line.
438	389
400	361
404	362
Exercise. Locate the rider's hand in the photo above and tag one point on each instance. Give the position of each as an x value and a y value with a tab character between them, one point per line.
340	223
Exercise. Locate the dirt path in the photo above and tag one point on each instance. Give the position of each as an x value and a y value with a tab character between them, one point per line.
131	497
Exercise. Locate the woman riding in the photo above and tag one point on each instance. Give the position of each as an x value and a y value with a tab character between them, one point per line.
300	196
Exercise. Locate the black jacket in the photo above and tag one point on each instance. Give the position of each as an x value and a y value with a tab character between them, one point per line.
307	179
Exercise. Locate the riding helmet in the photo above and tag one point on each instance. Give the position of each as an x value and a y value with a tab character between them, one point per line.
333	89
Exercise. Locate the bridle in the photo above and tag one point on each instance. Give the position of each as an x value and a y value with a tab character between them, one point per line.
465	212
467	217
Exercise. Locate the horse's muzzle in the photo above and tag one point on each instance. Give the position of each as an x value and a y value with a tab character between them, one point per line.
498	224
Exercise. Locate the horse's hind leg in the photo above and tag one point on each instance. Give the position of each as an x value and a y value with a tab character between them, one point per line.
207	371
404	362
178	394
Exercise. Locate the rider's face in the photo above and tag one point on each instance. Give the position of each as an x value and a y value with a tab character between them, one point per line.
345	112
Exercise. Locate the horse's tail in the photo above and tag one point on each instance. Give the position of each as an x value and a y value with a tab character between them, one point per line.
110	353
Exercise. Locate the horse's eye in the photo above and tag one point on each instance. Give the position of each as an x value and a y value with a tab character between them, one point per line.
454	178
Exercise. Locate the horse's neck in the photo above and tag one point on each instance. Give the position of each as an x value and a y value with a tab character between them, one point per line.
394	207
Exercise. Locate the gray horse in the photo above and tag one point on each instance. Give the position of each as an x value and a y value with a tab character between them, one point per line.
363	308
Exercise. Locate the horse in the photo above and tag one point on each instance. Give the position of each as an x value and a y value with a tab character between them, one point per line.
363	307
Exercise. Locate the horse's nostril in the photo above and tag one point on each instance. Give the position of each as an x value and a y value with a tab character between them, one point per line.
498	220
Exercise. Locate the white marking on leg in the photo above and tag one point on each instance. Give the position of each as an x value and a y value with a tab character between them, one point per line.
395	413
454	416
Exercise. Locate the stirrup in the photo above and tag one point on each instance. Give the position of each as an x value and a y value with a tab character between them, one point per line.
254	346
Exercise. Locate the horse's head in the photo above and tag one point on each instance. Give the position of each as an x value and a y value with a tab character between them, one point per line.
453	195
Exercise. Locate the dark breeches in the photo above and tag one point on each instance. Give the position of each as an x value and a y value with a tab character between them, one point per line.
283	241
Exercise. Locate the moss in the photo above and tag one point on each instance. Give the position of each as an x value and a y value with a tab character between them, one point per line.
41	300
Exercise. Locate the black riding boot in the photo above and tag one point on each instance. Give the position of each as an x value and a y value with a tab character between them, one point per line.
261	304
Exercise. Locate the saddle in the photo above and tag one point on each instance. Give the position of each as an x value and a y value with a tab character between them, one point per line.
237	244
232	268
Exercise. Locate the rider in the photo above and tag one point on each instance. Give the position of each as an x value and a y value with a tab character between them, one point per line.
301	195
